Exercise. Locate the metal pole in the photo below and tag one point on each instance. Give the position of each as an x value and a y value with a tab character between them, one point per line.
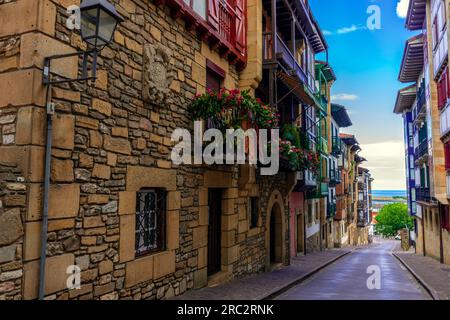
48	151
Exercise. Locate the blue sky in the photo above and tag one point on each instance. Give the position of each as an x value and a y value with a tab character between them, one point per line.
366	63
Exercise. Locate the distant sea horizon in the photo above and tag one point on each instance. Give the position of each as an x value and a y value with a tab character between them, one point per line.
389	193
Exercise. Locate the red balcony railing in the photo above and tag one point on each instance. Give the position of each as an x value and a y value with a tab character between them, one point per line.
224	24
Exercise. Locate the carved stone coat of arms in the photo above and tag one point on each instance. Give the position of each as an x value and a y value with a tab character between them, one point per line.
157	73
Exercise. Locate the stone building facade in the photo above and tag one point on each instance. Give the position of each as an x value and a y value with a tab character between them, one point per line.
112	141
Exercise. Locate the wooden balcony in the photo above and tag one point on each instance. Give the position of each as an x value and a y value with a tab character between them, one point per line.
423	194
421	151
335	176
283	55
337	146
223	26
322	145
306	181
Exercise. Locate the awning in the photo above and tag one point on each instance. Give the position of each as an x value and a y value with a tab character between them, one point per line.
298	88
405	99
416	14
412	62
348	139
327	70
340	115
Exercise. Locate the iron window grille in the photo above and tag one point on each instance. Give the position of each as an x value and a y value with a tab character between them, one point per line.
150	221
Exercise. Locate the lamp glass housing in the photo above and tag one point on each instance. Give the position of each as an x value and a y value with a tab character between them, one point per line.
98	23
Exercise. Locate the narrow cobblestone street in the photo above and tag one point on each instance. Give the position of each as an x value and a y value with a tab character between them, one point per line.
331	275
346	279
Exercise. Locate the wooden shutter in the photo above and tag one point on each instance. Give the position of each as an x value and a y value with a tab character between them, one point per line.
241	30
444	88
447	69
213	13
447	155
439	92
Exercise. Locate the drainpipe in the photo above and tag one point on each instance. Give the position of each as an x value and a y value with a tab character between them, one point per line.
44	228
441	245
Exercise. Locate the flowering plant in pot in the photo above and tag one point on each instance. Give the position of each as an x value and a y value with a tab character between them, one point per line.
233	109
294	147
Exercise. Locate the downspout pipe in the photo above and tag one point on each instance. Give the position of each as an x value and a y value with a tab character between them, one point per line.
441	244
44	227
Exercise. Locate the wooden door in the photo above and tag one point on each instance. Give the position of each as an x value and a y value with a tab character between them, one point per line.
214	230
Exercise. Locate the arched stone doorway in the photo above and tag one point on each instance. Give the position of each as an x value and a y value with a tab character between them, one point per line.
275	231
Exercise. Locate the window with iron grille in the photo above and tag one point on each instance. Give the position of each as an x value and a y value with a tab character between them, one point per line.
150	221
254	212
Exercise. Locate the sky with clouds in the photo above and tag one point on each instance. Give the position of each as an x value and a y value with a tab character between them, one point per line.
366	63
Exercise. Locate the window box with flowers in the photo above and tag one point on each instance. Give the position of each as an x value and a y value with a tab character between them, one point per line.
233	109
294	148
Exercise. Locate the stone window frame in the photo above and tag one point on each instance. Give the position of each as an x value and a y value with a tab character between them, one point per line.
159	264
161	242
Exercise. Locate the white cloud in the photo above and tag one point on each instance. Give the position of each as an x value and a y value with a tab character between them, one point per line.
352	28
402	8
344	97
327	32
386	161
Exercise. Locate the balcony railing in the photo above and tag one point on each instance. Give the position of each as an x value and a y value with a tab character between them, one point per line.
322	145
338	146
323	188
225	26
421	150
421	102
331	209
284	55
335	176
323	102
423	194
306	180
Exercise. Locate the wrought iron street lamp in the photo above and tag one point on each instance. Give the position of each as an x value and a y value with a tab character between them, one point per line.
99	19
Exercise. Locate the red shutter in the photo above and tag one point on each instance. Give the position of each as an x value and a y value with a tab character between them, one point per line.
213	13
440	93
447	155
241	32
448	82
443	82
438	86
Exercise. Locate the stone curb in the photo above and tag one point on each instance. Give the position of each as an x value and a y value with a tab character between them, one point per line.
422	282
280	290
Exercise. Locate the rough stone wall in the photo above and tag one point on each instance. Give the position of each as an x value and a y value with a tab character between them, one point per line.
432	241
12	211
313	243
102	132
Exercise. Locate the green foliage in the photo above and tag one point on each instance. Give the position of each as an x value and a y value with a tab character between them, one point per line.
291	133
228	109
393	217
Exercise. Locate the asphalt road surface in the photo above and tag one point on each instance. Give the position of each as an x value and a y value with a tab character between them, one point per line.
346	279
